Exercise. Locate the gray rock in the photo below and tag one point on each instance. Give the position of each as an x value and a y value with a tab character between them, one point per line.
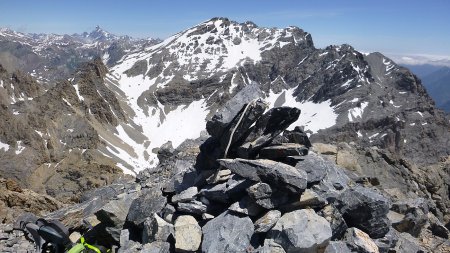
114	214
181	180
409	215
320	170
156	229
301	231
150	201
193	207
267	221
337	222
168	212
307	199
266	128
297	136
406	243
124	237
219	177
236	186
186	195
281	151
188	234
207	216
337	247
274	173
156	247
115	211
228	118
259	191
365	209
246	206
271	247
388	241
359	241
227	233
216	192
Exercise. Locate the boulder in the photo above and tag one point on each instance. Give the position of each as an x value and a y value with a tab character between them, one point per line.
409	215
156	247
388	241
276	174
307	199
149	202
365	209
223	122
219	177
301	231
246	206
156	229
259	191
271	247
407	243
236	186
359	241
216	192
193	207
167	213
297	136
237	129
114	213
227	233
337	247
266	128
188	234
267	221
284	150
186	195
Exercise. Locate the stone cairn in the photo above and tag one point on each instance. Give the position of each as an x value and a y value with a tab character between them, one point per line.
254	187
254	190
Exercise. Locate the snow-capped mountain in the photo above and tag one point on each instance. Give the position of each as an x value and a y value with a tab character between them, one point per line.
49	57
155	93
175	85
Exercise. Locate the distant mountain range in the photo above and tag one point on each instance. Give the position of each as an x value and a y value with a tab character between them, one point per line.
436	80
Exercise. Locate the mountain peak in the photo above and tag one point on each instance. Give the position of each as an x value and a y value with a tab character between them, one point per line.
99	34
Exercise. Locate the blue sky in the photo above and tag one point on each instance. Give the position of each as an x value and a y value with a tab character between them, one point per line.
390	26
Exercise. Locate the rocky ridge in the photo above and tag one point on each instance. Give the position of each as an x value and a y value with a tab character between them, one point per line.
296	201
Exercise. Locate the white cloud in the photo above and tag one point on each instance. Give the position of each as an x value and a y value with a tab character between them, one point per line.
420	59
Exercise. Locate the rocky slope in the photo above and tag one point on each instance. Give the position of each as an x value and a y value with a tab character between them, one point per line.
283	198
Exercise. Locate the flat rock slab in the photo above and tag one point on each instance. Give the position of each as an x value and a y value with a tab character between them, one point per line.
227	233
301	231
275	174
186	195
283	150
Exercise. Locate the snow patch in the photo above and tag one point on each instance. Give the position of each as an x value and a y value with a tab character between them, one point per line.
357	112
19	148
81	98
314	116
4	146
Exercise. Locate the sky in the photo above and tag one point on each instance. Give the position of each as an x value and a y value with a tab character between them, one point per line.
415	30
